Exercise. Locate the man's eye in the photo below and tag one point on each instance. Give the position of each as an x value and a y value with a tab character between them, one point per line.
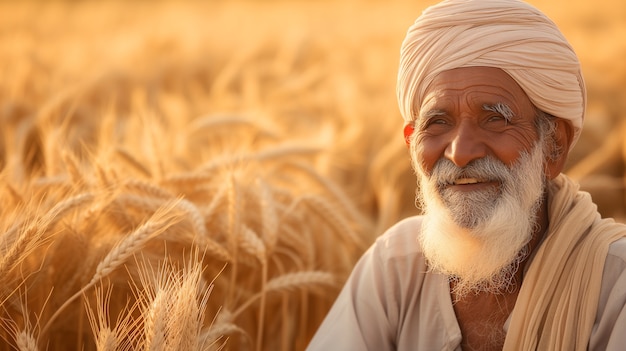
436	121
498	119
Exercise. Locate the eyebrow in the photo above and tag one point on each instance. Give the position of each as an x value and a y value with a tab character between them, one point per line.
501	108
431	113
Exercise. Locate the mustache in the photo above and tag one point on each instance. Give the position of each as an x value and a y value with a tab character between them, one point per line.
488	169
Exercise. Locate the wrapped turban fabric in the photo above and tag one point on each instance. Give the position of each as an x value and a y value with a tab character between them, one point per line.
506	34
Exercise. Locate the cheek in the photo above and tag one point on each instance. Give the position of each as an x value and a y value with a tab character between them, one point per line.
427	152
507	148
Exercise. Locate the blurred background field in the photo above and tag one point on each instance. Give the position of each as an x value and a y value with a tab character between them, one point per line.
152	152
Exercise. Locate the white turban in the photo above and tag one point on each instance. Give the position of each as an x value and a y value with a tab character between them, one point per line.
507	34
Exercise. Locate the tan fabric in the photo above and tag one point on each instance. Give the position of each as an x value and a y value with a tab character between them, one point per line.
507	34
558	301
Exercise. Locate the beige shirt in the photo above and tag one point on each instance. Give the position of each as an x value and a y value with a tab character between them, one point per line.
391	302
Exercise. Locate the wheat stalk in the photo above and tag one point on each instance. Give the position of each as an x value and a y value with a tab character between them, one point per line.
290	281
131	160
73	166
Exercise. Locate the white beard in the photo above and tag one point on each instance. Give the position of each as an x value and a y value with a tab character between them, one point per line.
479	238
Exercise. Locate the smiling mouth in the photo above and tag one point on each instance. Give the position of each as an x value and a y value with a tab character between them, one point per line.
466	181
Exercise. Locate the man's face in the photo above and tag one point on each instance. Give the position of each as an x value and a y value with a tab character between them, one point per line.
471	113
480	165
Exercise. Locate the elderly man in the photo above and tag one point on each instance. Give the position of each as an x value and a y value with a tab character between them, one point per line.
508	253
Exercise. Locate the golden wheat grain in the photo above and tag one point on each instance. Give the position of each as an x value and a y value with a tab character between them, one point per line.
106	340
160	221
174	305
189	179
213	249
197	220
147	188
16	244
186	316
297	280
156	292
109	337
222	325
269	217
25	341
209	338
155	321
252	244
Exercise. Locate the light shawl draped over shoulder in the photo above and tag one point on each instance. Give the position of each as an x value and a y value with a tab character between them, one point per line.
557	303
506	34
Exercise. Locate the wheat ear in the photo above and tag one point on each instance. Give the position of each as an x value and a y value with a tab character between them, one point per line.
268	215
160	221
25	341
22	244
148	188
188	310
155	321
221	325
24	337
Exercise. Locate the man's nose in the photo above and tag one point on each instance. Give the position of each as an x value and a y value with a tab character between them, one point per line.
466	144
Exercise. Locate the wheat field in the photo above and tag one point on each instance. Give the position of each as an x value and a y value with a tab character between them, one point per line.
204	175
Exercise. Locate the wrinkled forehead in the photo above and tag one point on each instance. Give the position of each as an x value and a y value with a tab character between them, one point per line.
479	85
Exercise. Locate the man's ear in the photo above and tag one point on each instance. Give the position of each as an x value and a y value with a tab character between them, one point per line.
560	148
408	131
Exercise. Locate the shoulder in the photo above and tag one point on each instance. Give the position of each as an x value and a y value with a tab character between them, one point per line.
617	251
396	254
615	263
614	272
400	240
